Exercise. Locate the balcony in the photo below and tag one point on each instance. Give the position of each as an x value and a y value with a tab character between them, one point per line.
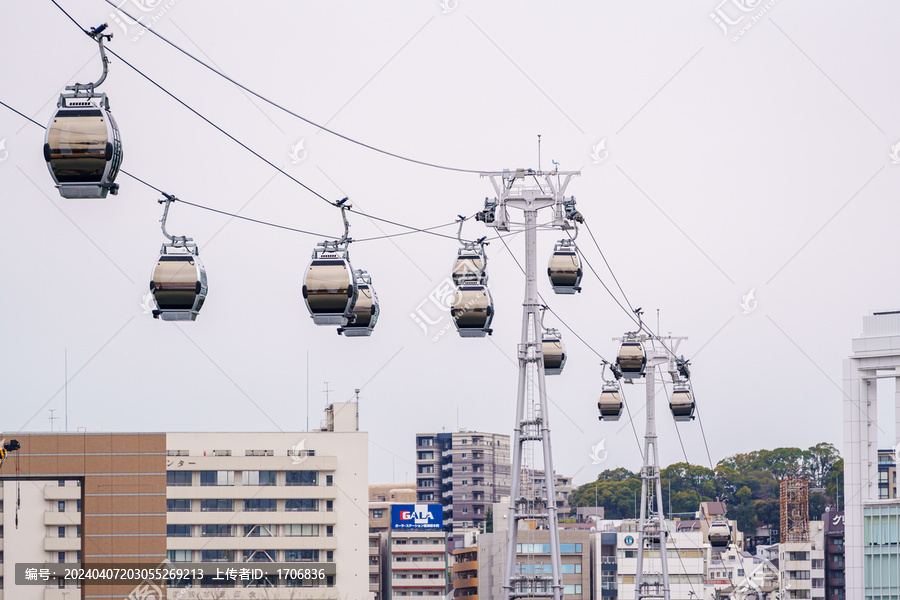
468	565
471	582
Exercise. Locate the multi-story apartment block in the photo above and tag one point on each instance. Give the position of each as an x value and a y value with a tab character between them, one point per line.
834	554
273	497
802	565
418	563
464	579
465	471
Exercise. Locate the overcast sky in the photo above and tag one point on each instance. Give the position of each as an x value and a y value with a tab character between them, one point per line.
757	164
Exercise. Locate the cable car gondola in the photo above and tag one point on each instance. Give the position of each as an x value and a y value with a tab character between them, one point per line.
682	403
554	352
564	269
719	533
473	310
610	402
178	282
330	289
365	311
82	145
632	360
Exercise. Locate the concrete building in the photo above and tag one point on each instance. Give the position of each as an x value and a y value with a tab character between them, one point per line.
92	497
376	572
872	544
418	563
534	558
802	564
140	499
465	471
381	497
687	555
834	555
887	475
464	578
562	486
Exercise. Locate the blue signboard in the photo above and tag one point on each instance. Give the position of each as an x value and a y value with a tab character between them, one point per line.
417	516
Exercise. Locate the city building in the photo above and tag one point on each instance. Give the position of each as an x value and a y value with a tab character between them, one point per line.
870	560
92	497
887	474
687	552
381	497
376	572
802	564
562	486
465	471
533	557
418	563
140	499
834	554
464	577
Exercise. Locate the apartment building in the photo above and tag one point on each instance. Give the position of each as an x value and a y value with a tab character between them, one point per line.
802	565
464	578
92	497
297	497
834	554
381	497
465	471
418	563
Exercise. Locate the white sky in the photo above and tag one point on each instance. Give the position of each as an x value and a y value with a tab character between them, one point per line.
764	164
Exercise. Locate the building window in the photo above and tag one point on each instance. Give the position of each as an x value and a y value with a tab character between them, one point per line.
61	557
259	556
301	478
259	453
301	504
178	478
61	506
329	505
61	531
216	556
301	556
215	531
425	456
329	480
178	505
259	530
424	441
304	530
77	505
208	478
377	513
260	505
178	531
259	477
329	531
217	505
179	555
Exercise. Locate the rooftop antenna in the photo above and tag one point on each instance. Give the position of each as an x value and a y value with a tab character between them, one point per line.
52	418
327	394
307	390
66	372
539	152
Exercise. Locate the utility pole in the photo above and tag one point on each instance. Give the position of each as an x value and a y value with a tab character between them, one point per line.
531	191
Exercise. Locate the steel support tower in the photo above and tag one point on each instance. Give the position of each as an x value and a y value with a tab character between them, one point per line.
652	531
531	191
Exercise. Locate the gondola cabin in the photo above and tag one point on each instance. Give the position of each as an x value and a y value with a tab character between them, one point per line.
330	290
178	285
473	310
83	149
